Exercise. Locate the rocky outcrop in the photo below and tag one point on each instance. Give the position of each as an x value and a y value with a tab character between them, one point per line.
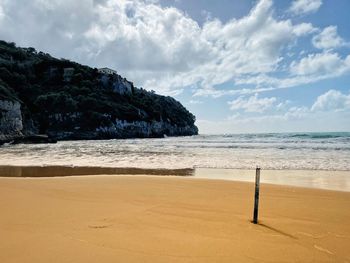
11	125
16	130
150	129
125	129
119	84
12	128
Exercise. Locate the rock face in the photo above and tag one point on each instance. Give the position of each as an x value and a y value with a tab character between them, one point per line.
119	85
125	129
14	128
11	125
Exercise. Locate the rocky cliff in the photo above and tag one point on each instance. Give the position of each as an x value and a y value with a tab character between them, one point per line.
64	100
11	125
125	129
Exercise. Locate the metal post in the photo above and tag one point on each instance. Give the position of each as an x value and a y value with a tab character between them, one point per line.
256	198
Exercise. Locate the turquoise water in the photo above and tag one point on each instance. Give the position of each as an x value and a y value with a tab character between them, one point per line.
309	151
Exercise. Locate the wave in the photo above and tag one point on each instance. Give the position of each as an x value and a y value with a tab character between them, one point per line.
272	137
328	151
321	135
257	147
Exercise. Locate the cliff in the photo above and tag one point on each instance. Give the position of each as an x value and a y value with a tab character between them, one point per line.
64	100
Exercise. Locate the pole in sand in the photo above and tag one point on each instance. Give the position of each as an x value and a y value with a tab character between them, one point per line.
256	198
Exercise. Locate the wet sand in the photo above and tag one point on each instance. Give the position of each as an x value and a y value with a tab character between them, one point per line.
61	170
320	179
168	219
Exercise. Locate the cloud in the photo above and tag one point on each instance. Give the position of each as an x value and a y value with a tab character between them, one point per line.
303	29
332	107
321	64
2	14
296	113
301	122
332	100
309	69
293	119
292	113
328	38
195	102
299	7
252	104
282	112
158	48
243	48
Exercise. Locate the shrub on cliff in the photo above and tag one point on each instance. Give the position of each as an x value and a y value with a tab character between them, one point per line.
6	93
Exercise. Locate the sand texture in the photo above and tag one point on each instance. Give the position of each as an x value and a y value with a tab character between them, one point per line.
168	219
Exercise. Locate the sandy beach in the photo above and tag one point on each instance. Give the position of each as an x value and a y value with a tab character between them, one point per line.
141	131
168	219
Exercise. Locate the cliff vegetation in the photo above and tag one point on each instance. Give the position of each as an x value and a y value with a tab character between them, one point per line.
67	100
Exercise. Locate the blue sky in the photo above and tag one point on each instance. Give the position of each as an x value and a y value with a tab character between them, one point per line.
238	65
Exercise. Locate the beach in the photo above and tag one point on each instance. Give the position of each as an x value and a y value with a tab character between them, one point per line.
178	199
136	218
158	131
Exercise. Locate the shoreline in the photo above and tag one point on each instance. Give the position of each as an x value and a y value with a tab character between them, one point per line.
168	219
316	179
70	170
313	179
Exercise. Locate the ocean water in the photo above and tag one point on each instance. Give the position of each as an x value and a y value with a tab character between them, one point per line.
290	151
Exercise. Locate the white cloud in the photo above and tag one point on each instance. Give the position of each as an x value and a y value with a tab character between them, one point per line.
195	102
296	113
332	100
2	11
321	64
303	29
305	6
328	38
302	72
306	122
252	104
2	14
291	113
283	105
329	112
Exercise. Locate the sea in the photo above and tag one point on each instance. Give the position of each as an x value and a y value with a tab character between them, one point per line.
272	151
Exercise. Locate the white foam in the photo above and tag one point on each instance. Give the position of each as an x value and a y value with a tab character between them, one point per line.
234	151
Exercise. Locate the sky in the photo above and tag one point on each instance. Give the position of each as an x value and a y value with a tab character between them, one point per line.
238	65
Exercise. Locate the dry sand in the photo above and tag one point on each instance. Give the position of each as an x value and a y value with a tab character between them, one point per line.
168	219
